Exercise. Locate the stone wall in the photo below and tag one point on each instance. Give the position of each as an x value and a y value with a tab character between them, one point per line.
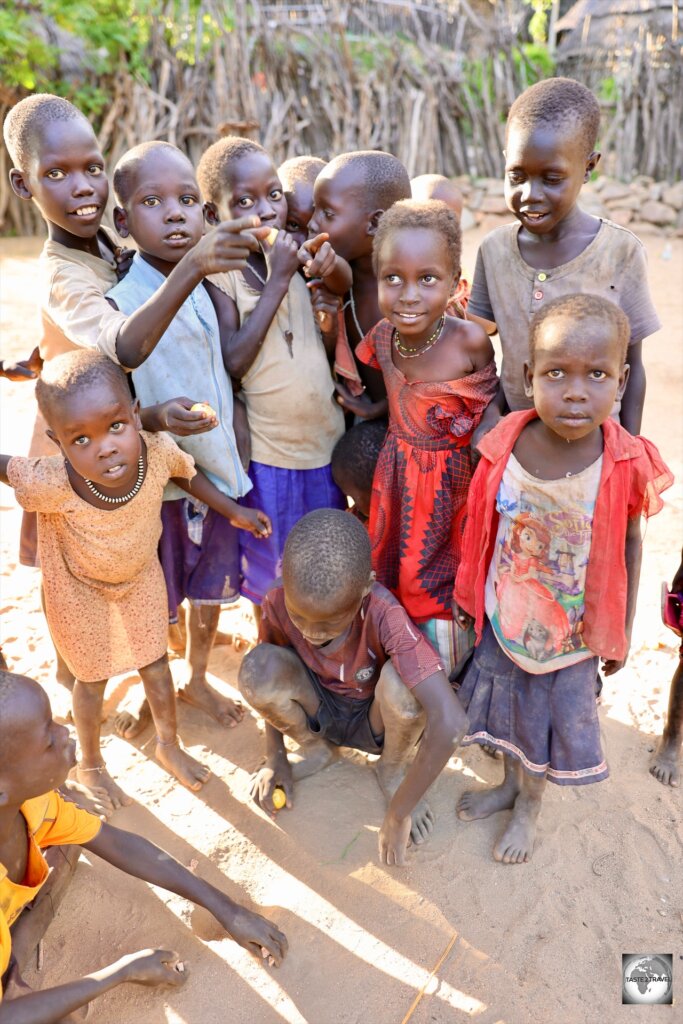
645	206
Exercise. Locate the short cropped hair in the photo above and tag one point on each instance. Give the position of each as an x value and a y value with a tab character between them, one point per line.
327	555
74	371
214	168
411	214
27	120
385	179
578	309
130	163
356	452
561	102
437	186
298	170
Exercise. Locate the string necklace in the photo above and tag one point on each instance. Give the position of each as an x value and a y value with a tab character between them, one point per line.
352	304
287	334
124	497
410	353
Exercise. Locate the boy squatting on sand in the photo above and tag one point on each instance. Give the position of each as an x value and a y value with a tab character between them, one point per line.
339	663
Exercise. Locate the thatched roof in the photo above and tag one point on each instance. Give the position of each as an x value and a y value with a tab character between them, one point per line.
614	24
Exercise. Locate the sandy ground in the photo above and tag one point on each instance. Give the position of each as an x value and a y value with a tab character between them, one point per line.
540	942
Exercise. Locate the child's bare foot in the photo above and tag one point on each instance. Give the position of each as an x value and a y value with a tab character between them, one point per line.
183	766
516	844
312	758
390	777
100	783
128	726
200	695
480	803
95	800
665	762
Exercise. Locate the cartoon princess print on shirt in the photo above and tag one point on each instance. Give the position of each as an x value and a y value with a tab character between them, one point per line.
528	611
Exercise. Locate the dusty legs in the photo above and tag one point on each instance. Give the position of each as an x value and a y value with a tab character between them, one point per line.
520	792
274	681
202	625
665	763
396	712
87	711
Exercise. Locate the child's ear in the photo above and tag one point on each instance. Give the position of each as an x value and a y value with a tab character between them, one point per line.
373	221
372	579
18	181
211	215
591	164
623	381
53	437
121	222
528	380
136	414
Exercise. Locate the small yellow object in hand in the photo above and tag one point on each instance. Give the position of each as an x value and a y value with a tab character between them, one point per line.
279	798
271	236
205	408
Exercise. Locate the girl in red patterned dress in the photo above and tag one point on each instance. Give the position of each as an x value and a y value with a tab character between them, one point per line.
440	375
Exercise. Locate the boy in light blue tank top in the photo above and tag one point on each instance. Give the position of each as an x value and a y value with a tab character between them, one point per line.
160	207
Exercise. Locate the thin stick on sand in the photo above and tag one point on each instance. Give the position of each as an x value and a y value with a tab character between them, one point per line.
422	991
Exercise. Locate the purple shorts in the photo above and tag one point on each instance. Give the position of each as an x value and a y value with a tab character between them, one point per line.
286	495
199	554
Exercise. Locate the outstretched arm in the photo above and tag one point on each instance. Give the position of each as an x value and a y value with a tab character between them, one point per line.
242	518
224	248
137	856
148	967
446	725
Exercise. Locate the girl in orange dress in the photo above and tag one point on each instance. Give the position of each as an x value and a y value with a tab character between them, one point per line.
99	523
440	375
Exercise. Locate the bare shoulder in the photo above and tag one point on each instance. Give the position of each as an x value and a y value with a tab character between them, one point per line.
471	339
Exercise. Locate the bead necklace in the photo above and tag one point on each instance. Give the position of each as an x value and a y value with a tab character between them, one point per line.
287	334
410	353
124	497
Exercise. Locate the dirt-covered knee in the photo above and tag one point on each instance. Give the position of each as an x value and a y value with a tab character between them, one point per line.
259	673
395	696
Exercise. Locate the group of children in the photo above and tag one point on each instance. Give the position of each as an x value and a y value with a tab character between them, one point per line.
331	352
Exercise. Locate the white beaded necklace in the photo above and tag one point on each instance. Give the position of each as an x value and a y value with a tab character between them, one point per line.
124	497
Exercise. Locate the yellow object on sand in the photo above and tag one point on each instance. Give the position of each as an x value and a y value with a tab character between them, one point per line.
279	798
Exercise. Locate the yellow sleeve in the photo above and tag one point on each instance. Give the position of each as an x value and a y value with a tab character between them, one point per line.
5	948
56	822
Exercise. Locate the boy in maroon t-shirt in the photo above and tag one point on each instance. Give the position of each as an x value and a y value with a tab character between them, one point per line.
340	663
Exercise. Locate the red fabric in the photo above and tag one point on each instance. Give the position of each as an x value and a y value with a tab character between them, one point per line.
422	477
351	664
633	475
344	362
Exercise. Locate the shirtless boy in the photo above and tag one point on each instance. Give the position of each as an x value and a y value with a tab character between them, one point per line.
340	663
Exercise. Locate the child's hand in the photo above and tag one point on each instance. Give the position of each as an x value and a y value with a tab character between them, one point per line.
227	246
253	520
612	665
361	405
153	967
267	779
26	369
254	933
394	839
325	307
176	416
283	257
123	258
317	256
463	618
